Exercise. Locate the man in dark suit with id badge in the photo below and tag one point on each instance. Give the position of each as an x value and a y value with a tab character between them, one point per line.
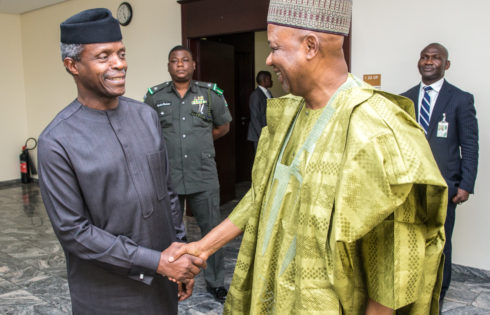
448	117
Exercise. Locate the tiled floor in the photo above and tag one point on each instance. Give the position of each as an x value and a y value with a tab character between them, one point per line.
33	274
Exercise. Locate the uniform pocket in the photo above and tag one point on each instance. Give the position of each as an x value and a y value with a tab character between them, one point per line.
201	116
158	163
208	164
165	116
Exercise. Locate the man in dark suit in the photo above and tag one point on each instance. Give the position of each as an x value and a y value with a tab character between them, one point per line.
448	117
258	105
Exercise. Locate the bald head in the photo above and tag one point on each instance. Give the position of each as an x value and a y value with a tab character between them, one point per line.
439	47
433	63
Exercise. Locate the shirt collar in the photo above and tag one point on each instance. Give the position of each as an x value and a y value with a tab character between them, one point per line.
192	87
436	86
266	92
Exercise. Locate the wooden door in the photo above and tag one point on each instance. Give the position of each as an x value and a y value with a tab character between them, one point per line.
244	45
215	62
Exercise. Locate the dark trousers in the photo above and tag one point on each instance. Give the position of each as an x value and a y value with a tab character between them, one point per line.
255	143
205	208
448	229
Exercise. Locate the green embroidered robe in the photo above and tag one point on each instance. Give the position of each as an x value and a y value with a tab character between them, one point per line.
366	220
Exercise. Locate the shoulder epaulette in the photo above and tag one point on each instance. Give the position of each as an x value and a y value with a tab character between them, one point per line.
212	86
158	87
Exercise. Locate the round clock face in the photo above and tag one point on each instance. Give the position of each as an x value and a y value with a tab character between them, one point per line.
124	13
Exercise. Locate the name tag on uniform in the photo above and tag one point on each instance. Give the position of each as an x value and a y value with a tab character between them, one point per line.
442	127
164	104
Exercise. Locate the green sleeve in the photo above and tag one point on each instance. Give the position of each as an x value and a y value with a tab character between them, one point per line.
242	212
399	263
370	212
388	219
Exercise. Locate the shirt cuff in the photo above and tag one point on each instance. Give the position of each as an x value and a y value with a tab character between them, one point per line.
147	258
464	186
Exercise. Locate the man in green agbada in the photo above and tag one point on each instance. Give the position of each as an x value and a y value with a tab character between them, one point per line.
346	210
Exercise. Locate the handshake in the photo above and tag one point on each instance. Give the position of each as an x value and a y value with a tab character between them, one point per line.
181	262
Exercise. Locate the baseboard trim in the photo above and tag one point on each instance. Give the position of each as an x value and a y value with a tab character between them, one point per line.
14	182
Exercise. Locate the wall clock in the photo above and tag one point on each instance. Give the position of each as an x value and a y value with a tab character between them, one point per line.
124	13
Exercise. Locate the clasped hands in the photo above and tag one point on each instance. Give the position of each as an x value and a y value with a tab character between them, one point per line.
181	262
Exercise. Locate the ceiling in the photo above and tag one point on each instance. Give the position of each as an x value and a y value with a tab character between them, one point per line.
23	6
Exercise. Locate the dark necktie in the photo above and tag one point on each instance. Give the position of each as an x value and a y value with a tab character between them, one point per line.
424	115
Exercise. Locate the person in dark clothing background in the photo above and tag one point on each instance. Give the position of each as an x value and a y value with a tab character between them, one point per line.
258	106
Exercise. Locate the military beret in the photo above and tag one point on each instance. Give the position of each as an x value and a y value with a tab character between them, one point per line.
91	26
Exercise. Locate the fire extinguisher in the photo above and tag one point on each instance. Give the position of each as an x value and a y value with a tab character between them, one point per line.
26	166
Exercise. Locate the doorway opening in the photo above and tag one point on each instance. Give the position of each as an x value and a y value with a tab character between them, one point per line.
228	60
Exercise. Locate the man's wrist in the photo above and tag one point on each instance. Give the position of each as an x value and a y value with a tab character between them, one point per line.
161	264
200	250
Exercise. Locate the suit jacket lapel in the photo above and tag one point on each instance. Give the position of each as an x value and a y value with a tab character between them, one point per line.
442	101
261	93
413	94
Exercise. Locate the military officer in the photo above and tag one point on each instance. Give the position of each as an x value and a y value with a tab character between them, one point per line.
192	115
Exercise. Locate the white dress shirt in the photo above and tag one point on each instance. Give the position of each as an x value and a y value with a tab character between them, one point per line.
434	94
266	91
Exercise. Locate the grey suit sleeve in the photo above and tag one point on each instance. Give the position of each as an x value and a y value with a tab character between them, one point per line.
177	217
468	141
176	212
69	216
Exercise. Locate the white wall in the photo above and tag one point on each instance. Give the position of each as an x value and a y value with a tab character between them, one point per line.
387	38
13	120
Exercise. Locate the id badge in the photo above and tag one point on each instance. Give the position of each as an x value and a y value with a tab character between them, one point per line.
442	127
